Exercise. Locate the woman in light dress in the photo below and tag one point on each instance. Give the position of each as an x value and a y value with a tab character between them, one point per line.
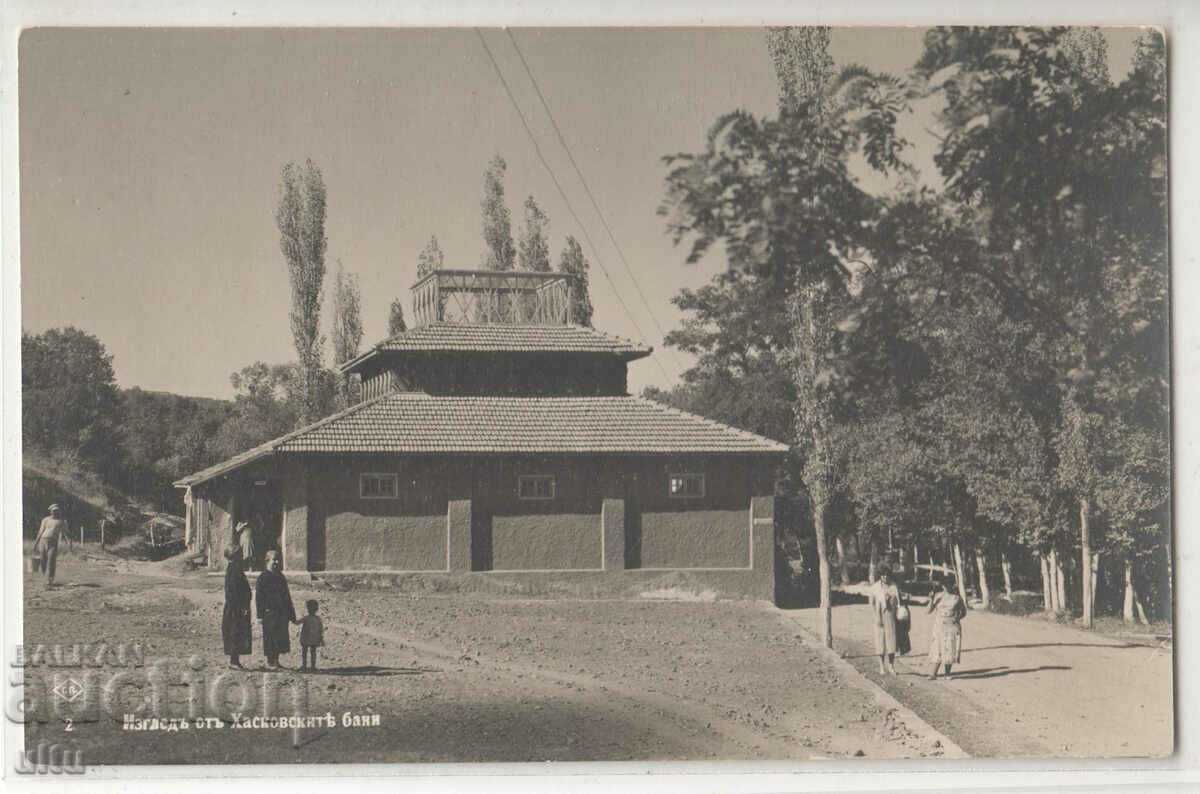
945	647
885	602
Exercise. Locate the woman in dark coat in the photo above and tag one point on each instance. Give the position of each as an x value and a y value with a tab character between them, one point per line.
235	621
275	609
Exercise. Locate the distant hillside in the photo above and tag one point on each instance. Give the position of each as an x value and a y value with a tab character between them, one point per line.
80	494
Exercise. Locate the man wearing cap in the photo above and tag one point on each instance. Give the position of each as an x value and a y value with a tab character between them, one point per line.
46	545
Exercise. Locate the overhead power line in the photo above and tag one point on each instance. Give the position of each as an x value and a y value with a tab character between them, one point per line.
591	197
562	194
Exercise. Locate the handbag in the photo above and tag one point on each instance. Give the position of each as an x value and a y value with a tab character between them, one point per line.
902	614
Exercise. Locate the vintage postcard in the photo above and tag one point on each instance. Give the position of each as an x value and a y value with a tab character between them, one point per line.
476	395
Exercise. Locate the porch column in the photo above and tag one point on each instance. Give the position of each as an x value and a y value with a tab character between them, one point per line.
295	520
612	529
762	546
458	535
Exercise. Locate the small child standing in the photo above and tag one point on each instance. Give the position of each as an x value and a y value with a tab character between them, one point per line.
312	634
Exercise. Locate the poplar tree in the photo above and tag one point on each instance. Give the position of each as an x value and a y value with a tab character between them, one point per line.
534	252
347	323
300	215
499	251
574	263
396	324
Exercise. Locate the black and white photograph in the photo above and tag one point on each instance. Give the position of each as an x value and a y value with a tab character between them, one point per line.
470	395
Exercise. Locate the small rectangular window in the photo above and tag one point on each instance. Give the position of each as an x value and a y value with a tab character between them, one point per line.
535	486
684	486
378	486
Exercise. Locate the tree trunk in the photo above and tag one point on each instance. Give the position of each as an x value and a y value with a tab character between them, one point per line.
843	568
874	566
1006	567
1060	584
1085	561
1127	608
1047	585
959	573
1095	579
823	569
916	560
1141	612
931	565
985	594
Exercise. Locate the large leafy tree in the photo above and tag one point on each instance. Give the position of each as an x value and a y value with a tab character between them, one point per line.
300	215
1065	174
69	399
777	194
269	402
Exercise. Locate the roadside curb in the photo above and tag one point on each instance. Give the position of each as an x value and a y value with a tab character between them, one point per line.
910	717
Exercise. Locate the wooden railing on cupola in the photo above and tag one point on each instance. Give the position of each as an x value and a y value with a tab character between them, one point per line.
511	297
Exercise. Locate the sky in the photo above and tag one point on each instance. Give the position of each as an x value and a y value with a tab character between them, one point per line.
150	163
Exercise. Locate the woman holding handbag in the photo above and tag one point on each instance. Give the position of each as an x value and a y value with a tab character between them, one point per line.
885	603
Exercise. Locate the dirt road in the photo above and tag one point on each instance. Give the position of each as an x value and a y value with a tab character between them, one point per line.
469	677
1026	687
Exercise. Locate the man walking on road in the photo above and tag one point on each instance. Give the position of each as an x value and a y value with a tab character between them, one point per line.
52	529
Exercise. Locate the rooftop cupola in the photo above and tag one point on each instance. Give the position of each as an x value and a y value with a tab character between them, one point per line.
486	297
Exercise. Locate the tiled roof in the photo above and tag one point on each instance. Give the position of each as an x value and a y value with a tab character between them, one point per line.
499	338
415	423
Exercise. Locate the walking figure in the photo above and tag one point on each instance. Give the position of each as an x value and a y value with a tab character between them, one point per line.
945	648
885	602
45	547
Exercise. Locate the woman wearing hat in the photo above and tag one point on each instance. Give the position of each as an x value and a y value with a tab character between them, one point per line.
273	602
885	601
235	621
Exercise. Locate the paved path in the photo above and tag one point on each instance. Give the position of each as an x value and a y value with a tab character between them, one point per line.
1025	687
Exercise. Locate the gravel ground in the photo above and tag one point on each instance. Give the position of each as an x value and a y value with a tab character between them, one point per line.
464	678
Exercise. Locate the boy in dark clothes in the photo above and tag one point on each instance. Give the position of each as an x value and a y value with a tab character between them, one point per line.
312	634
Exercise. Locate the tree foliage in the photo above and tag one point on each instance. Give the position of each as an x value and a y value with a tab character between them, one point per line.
430	259
574	263
347	316
1065	174
300	215
534	250
983	364
396	324
499	252
70	402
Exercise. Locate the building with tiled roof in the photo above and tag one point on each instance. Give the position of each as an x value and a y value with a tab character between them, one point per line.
499	436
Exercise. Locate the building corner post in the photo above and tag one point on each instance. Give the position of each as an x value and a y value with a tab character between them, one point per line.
458	535
612	538
762	546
